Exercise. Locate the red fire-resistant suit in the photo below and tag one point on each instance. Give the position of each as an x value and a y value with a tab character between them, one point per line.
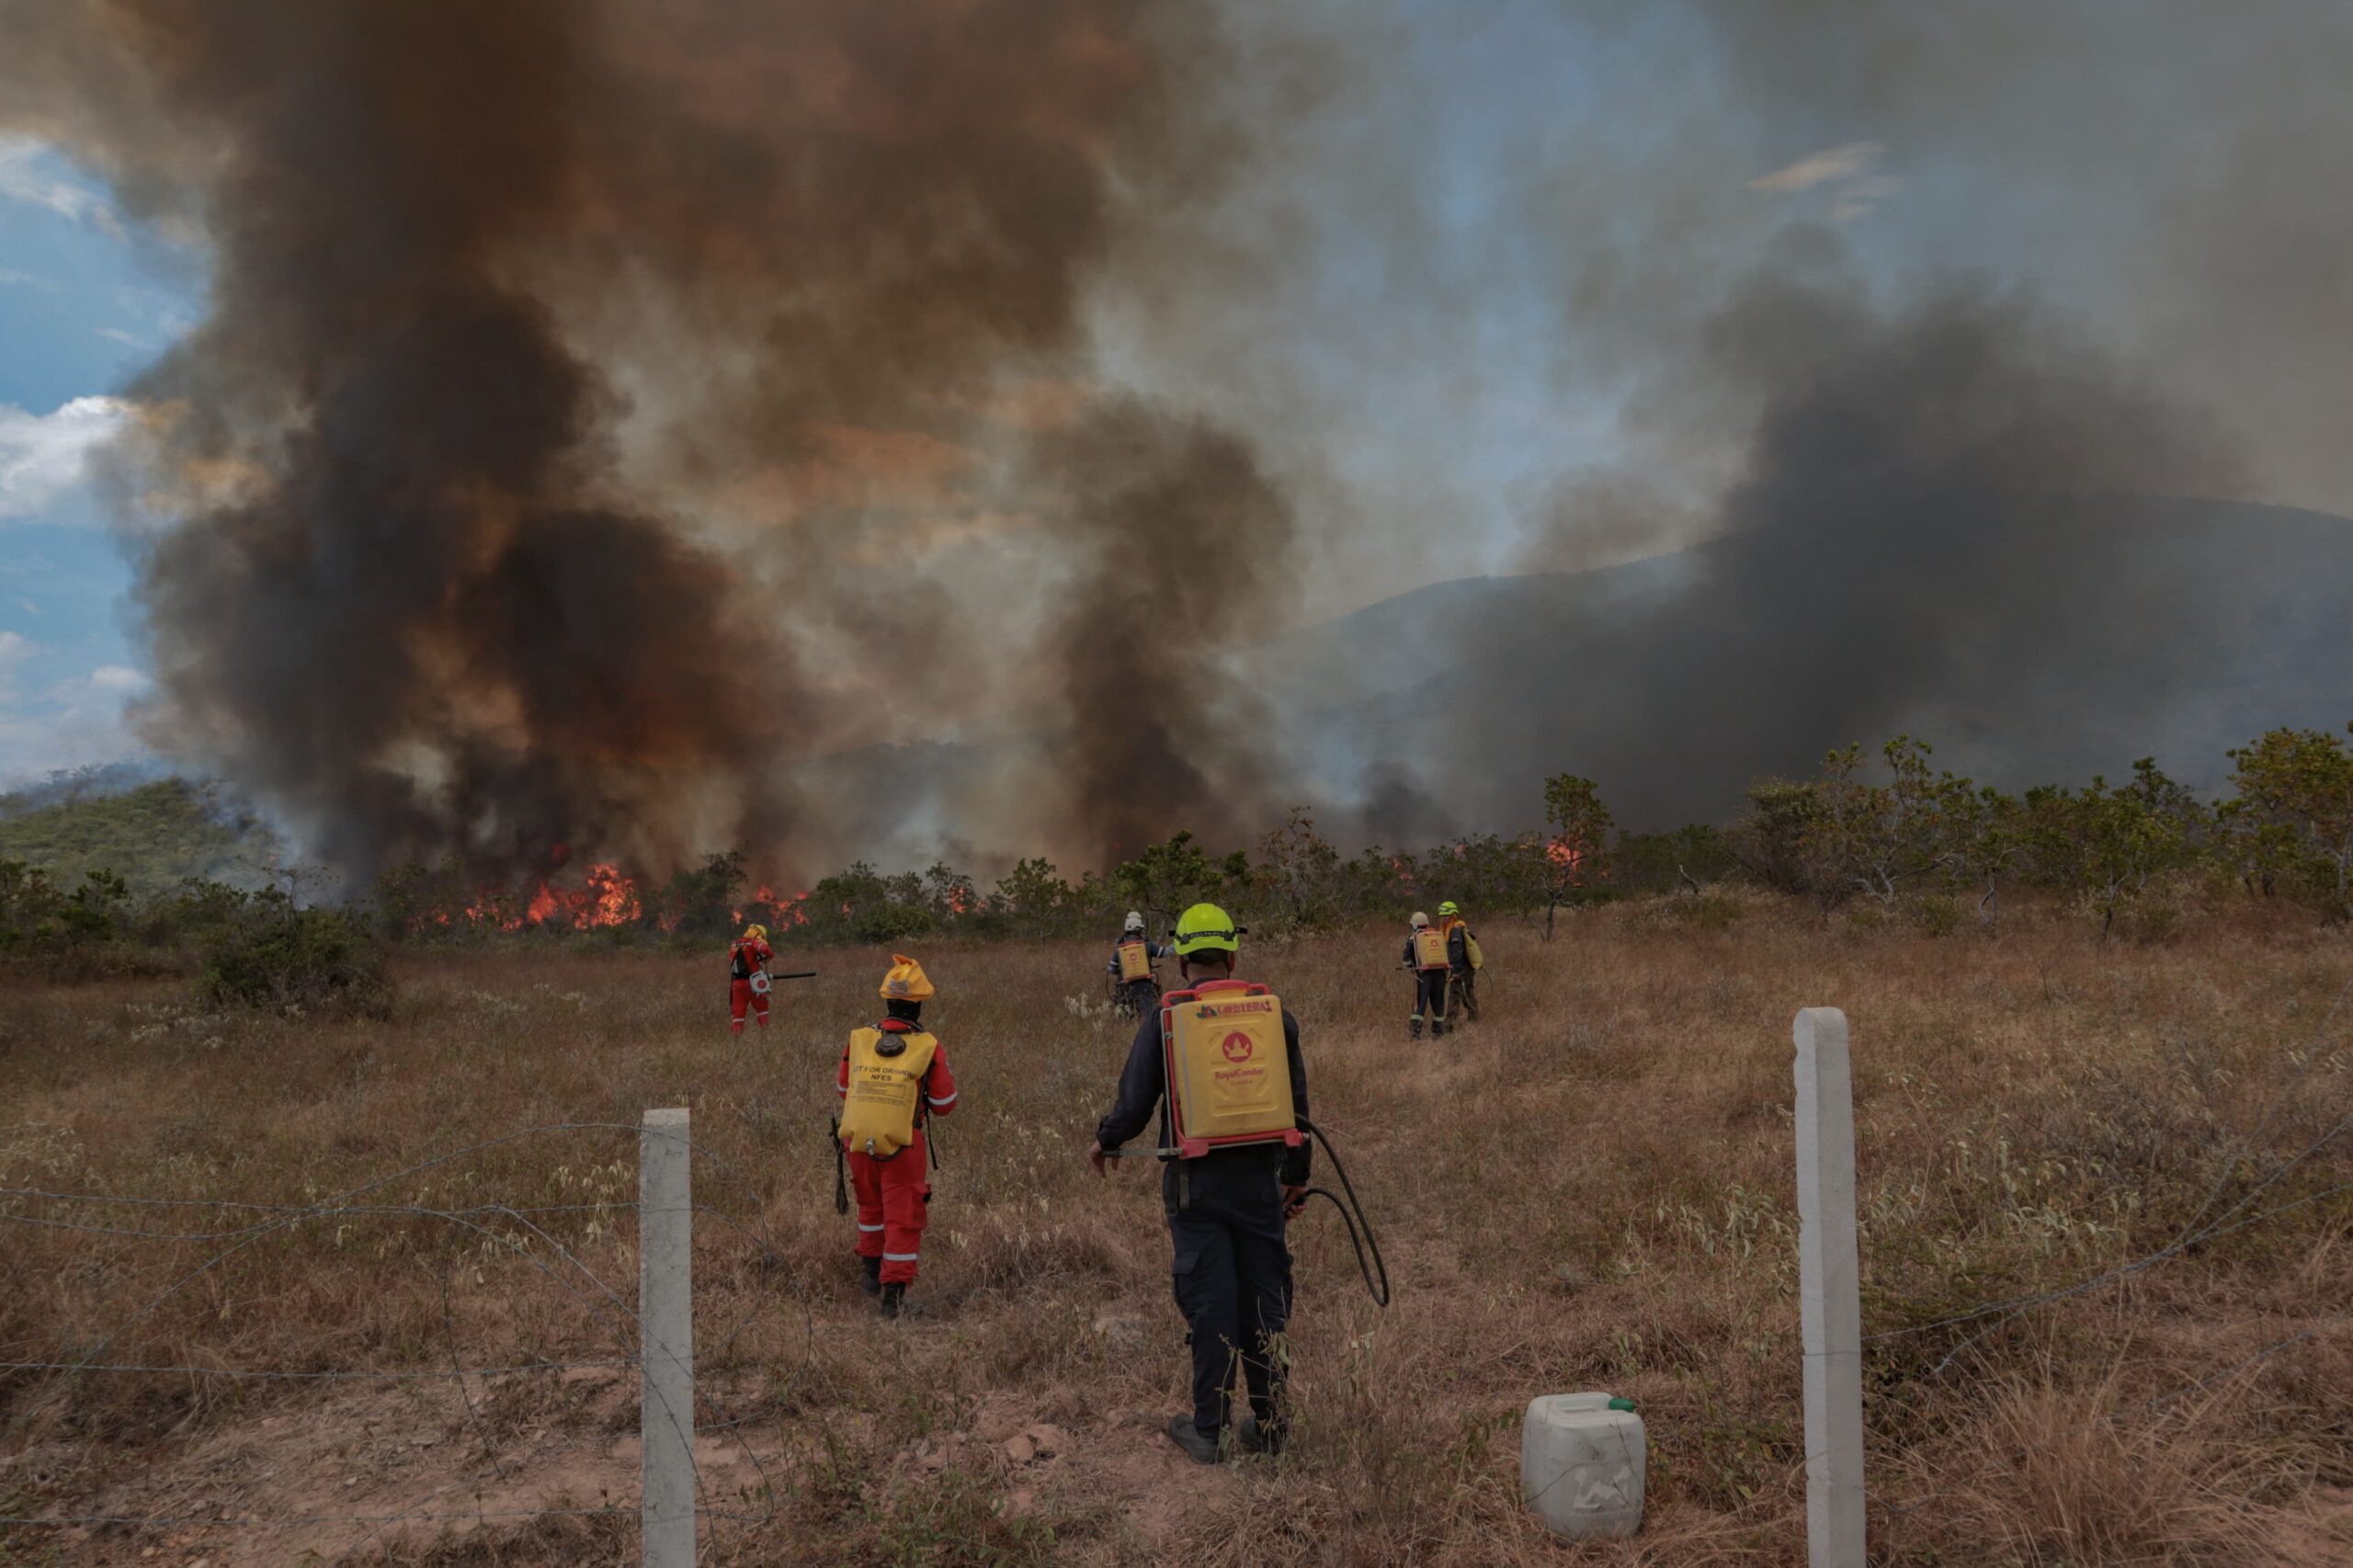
748	954
893	1195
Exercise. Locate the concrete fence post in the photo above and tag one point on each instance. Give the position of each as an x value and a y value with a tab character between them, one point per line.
1829	1287
665	1409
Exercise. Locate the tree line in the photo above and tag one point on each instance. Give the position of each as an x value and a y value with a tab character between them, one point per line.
1879	830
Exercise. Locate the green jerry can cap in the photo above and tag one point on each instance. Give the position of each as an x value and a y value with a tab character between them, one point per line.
1619	1404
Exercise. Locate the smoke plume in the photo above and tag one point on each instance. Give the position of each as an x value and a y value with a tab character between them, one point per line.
596	406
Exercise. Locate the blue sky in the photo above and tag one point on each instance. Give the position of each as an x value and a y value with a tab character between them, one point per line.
85	303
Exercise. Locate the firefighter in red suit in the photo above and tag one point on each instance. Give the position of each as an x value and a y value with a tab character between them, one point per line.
748	958
894	1077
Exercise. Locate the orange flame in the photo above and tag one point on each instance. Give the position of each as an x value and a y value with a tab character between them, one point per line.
608	898
780	912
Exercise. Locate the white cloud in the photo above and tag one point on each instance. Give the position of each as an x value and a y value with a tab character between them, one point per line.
14	649
118	336
72	722
42	455
30	172
1847	169
11	278
1820	168
119	680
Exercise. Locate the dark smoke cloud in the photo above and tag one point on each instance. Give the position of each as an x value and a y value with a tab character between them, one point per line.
1938	525
603	409
1936	437
1180	542
844	425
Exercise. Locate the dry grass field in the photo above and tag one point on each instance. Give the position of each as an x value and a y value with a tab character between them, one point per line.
1590	1189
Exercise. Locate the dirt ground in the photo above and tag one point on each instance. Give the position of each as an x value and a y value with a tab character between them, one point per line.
1590	1188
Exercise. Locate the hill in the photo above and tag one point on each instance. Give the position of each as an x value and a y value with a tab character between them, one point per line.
2063	638
152	837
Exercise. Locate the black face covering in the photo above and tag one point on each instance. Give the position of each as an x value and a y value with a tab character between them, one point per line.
907	1012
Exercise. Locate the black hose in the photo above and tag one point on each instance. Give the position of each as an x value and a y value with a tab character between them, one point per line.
1378	1292
841	1168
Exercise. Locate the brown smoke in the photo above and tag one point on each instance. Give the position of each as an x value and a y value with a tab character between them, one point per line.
613	396
1182	538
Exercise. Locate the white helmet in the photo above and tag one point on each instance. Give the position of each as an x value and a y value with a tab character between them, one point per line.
1135	921
1420	920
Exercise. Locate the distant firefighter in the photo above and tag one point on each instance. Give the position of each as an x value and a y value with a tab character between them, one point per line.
1463	962
894	1079
747	977
1135	984
1426	955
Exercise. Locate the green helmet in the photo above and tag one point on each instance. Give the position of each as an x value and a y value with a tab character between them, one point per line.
1450	907
1205	928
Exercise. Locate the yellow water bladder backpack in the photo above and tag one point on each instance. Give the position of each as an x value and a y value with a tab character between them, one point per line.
1430	948
1136	962
886	1069
1229	1068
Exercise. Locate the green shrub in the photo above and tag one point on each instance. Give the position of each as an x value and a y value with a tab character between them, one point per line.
286	959
891	922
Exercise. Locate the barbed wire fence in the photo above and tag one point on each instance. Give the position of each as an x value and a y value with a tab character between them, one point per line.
521	1234
2206	1225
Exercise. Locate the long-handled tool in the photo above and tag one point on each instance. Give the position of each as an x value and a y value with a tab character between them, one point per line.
762	979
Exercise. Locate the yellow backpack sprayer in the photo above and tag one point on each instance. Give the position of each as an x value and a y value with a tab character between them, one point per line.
1228	1087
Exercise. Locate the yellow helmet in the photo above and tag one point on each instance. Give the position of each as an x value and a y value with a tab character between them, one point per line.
906	981
1450	907
1205	928
752	931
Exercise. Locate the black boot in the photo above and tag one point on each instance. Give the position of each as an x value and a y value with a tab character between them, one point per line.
894	1296
1252	1436
1200	1447
1418	1027
872	1283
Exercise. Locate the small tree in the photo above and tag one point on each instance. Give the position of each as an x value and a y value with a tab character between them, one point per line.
703	901
1033	895
1901	834
96	911
1987	839
2109	843
1167	877
2292	822
1577	843
1776	840
1298	872
278	957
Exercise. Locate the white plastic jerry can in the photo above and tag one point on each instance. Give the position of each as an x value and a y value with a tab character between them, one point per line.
1581	1464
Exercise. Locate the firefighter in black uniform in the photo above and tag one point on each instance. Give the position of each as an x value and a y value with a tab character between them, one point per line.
1226	1215
1461	961
1426	955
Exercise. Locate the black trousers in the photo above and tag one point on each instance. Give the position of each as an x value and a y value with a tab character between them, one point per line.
1429	996
1466	984
1144	995
1232	1272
